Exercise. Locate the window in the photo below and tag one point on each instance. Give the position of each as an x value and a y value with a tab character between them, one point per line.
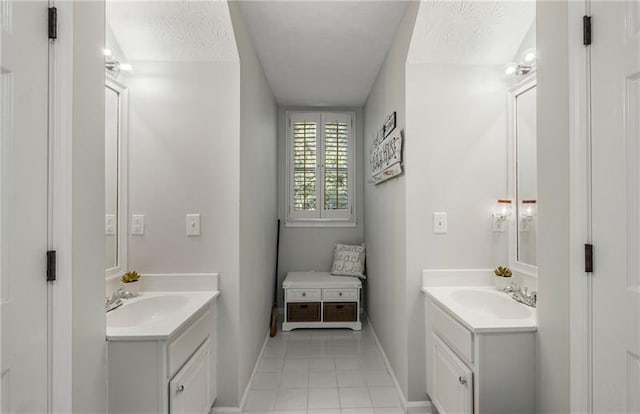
321	154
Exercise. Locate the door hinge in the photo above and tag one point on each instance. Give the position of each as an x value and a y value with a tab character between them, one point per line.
588	258
53	23
51	265
586	30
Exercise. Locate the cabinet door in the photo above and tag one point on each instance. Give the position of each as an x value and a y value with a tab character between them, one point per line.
452	381
189	389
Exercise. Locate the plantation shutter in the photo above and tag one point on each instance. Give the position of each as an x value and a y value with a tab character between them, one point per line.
321	166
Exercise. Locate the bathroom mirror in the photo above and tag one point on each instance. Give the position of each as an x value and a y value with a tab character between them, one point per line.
524	182
115	233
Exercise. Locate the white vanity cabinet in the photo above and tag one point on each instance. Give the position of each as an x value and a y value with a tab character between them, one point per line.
171	374
480	369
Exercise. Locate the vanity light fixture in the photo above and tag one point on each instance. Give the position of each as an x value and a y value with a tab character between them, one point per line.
114	67
528	210
107	52
501	213
526	65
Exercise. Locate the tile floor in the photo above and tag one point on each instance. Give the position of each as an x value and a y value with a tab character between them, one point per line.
321	371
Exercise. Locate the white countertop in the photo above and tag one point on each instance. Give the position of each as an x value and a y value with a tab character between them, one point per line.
319	279
484	309
156	315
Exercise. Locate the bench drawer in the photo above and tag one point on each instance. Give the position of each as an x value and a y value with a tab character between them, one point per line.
303	312
303	295
454	333
340	294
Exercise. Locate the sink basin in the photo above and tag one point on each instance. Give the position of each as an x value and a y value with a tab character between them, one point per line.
145	310
484	309
495	304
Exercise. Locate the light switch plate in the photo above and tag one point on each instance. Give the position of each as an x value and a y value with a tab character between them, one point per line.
439	223
137	224
109	224
193	224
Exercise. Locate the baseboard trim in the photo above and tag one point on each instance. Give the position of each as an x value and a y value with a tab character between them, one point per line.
409	407
245	394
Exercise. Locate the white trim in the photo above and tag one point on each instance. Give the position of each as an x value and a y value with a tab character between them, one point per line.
123	177
60	293
321	217
525	84
580	196
407	406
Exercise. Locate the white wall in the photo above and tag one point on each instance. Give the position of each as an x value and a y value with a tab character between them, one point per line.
89	374
385	216
185	158
456	162
304	248
552	351
258	201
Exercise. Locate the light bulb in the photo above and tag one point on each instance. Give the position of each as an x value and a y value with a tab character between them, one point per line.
126	67
107	52
529	208
528	57
510	69
503	209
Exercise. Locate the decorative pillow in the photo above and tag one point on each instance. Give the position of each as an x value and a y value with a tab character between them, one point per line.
348	260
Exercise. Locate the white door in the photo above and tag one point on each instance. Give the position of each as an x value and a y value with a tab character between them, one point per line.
615	82
23	206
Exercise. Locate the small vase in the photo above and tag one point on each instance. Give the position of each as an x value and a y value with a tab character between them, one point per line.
132	287
501	282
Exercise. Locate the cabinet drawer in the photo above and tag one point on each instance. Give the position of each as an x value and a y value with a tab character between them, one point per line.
303	294
340	294
455	334
186	344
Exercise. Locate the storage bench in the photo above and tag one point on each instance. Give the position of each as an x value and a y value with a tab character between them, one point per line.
320	300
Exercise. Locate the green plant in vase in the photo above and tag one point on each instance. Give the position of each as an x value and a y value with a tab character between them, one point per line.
131	282
503	275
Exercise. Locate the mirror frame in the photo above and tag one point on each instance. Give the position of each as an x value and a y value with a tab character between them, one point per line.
523	85
123	183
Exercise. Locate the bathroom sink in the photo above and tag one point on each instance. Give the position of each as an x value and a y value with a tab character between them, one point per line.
146	310
156	315
484	309
492	303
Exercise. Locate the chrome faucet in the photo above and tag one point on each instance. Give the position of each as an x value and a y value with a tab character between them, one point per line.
522	295
115	301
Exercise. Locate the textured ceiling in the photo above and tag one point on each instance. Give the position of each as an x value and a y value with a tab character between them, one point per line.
322	53
177	31
470	32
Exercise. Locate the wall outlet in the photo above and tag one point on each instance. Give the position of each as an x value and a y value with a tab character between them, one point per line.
109	224
137	224
193	224
439	223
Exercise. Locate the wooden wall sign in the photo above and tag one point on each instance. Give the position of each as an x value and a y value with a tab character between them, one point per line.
385	159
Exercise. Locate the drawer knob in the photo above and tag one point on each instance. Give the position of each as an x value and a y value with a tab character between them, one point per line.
340	294
304	293
180	389
462	380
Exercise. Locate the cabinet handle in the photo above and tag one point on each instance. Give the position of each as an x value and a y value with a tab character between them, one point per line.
180	389
340	294
462	380
304	293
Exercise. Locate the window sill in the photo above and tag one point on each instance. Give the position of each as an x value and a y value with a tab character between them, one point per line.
321	223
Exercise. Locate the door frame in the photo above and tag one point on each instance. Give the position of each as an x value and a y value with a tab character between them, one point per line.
581	335
60	210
